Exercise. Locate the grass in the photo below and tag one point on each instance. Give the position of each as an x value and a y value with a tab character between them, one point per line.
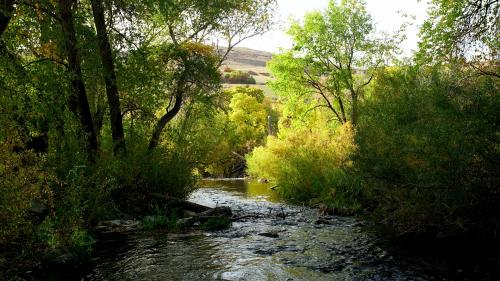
214	224
155	222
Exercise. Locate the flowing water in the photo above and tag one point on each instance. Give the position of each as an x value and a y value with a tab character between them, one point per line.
268	240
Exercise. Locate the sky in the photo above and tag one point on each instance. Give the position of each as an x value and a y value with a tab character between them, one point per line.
385	13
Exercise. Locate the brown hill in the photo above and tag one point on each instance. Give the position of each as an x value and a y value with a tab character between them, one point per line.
251	61
248	57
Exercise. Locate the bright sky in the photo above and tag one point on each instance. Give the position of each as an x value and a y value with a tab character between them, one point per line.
384	13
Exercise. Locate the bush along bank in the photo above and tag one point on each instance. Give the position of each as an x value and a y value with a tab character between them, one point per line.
422	161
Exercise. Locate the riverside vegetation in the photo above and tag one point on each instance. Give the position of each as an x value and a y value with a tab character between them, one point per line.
106	102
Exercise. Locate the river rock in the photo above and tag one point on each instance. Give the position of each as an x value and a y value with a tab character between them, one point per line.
270	234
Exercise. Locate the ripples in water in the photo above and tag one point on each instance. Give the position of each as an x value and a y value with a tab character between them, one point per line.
267	241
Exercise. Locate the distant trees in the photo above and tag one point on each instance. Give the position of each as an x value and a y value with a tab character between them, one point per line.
250	118
238	77
237	124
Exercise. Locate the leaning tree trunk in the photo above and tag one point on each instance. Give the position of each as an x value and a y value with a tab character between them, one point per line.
160	125
109	78
170	114
78	101
6	10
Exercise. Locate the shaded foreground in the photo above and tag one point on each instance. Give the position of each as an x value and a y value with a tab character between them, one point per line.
270	241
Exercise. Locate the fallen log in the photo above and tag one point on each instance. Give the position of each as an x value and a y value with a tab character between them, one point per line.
197	215
180	204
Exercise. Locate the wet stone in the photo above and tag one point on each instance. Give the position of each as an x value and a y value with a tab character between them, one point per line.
269	234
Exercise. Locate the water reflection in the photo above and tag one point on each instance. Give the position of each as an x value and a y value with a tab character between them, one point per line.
157	257
242	187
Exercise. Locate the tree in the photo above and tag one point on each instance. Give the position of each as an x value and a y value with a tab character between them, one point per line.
195	73
248	18
455	26
465	30
78	101
335	56
250	118
247	90
109	77
190	25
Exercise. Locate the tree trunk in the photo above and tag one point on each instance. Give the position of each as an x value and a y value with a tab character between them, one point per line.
109	78
155	138
78	101
354	109
98	118
6	10
342	110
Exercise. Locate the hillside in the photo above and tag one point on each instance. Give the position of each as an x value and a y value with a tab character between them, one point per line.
251	61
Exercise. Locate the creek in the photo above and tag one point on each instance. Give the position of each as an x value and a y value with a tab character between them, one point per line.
268	240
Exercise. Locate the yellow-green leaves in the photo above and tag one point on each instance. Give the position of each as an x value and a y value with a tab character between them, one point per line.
250	118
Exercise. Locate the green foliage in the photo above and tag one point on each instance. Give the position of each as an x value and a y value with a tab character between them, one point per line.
334	55
226	133
161	221
428	149
249	117
310	165
460	29
161	56
214	224
246	90
238	77
22	180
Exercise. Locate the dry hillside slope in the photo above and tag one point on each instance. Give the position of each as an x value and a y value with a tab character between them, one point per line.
251	61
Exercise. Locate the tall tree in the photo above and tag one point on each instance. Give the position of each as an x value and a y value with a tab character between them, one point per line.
106	55
78	101
335	55
190	25
195	74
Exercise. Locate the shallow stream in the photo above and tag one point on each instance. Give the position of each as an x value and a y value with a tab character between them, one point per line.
268	240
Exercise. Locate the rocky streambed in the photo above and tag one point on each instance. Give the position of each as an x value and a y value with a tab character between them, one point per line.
268	240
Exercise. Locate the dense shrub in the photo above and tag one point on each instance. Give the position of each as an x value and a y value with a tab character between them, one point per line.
123	184
39	212
428	148
310	165
22	180
238	77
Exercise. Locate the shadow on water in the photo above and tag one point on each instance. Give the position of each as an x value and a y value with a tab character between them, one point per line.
268	240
